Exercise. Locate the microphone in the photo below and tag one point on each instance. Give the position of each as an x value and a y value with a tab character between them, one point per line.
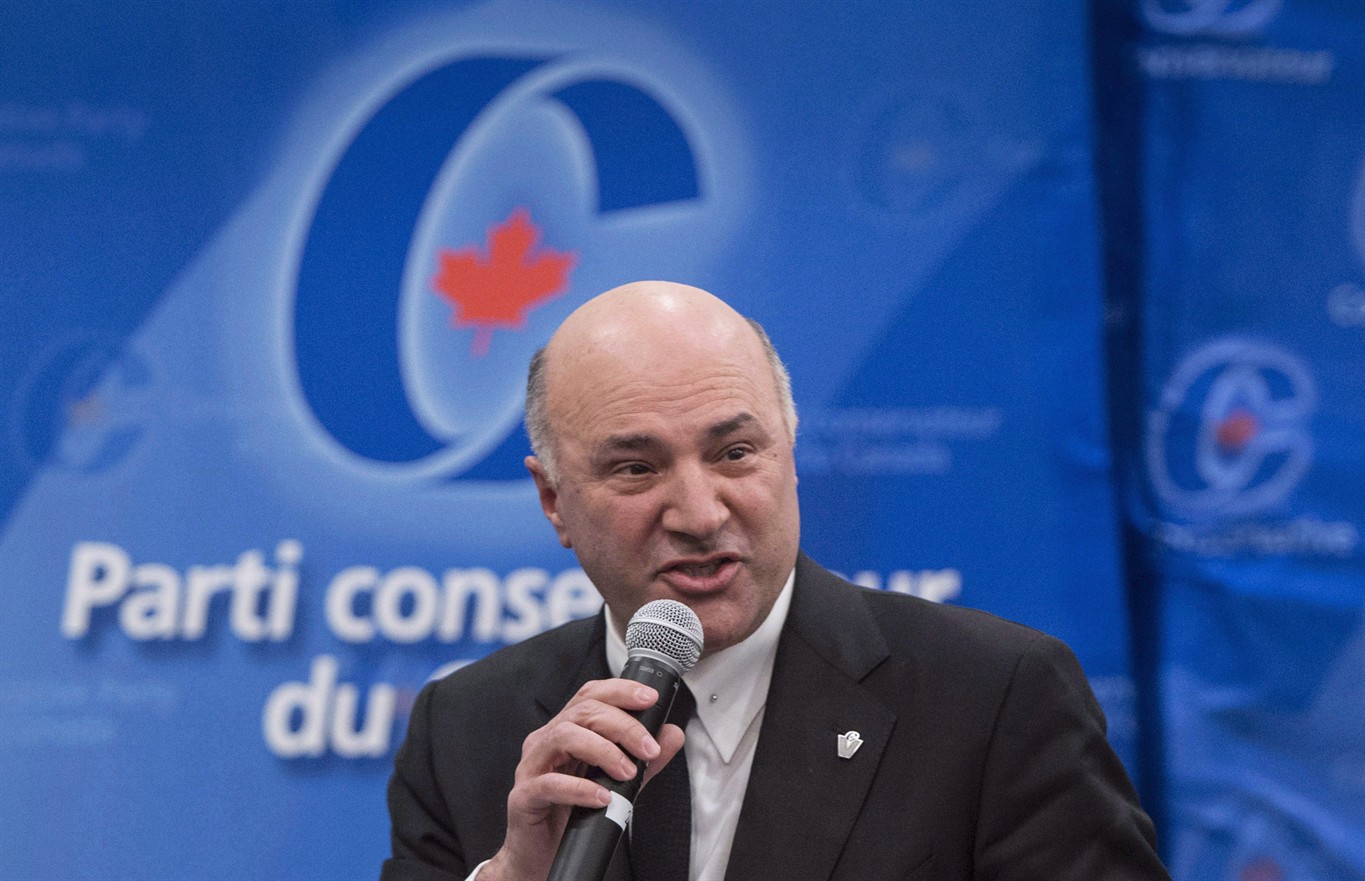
663	641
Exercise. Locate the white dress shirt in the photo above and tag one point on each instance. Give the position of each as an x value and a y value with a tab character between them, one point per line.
731	688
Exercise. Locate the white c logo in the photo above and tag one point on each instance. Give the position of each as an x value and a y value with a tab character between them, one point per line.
1230	436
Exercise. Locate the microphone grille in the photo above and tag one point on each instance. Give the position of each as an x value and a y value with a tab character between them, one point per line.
669	628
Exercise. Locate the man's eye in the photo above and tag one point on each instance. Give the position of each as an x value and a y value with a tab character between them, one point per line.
735	454
633	469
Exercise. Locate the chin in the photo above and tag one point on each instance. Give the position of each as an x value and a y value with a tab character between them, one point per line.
723	633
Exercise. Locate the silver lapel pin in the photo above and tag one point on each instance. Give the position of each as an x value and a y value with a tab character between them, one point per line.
849	743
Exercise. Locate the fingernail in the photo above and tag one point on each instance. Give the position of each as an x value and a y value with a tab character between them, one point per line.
650	746
603	798
645	694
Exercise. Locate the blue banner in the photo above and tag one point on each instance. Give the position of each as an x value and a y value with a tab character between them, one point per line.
272	276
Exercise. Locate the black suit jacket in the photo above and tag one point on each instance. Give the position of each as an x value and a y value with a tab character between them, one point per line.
983	757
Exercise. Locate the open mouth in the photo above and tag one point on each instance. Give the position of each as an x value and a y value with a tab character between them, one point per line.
700	570
707	574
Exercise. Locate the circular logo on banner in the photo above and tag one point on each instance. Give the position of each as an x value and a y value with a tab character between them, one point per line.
445	244
917	154
80	406
1230	435
1214	18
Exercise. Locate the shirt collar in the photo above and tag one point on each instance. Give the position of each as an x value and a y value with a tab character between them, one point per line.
738	677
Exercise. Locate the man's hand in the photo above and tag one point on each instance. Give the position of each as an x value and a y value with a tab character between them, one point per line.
584	734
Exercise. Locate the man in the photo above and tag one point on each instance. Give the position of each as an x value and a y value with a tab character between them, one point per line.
840	733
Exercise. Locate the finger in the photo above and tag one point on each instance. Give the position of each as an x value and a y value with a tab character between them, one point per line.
621	693
536	795
671	739
602	710
564	742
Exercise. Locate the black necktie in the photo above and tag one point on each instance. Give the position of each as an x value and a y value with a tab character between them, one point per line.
661	826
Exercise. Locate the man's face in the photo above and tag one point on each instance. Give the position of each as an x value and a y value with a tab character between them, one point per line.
676	480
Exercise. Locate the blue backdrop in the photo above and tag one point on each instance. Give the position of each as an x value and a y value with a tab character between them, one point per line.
1235	159
272	274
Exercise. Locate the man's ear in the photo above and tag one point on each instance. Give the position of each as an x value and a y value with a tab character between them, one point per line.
549	499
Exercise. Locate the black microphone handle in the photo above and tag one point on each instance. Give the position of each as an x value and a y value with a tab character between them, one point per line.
591	836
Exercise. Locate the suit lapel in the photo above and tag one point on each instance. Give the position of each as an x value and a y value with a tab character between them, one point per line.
580	657
803	798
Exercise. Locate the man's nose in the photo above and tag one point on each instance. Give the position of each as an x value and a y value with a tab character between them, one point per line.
695	505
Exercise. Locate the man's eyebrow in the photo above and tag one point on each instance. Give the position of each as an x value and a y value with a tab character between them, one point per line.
628	443
641	442
729	426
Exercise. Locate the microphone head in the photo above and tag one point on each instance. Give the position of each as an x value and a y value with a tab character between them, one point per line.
669	628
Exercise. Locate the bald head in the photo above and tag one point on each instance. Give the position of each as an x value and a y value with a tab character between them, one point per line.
650	326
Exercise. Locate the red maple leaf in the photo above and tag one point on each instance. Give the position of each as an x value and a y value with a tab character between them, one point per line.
1238	429
498	290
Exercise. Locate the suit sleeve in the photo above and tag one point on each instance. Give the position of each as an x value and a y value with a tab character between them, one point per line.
1056	803
425	844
